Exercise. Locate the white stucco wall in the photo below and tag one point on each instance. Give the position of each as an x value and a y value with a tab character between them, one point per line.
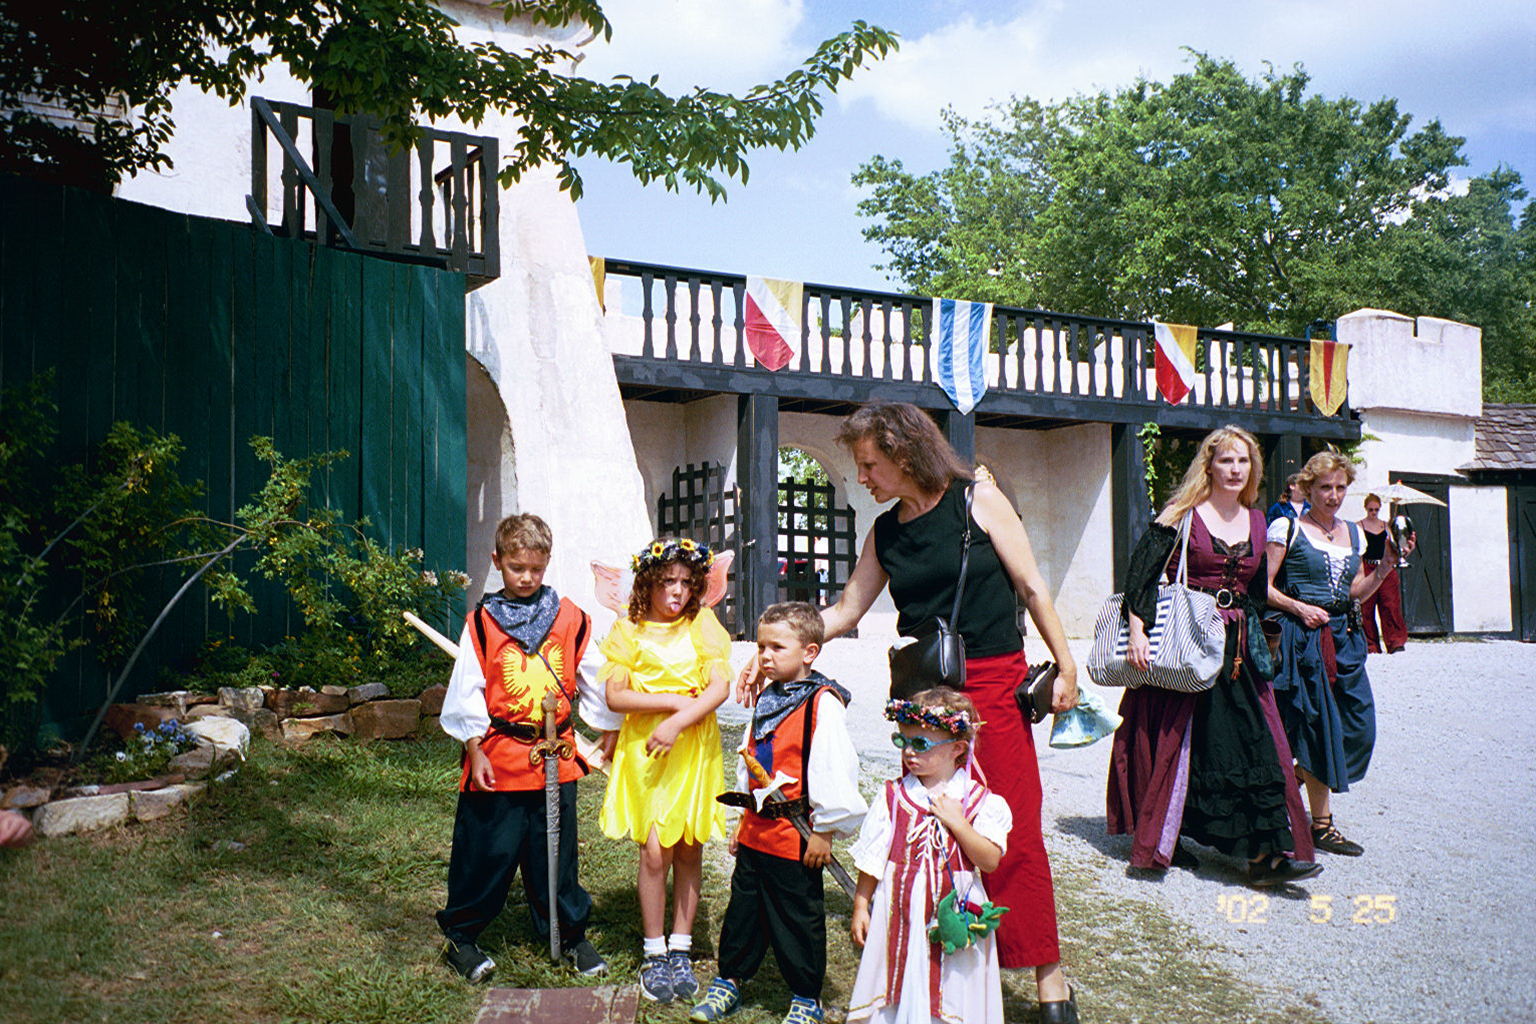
1480	592
1426	365
1057	479
535	331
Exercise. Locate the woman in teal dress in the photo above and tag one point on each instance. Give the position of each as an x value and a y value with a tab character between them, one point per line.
1322	689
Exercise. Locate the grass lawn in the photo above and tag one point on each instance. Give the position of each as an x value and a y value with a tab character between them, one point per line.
325	914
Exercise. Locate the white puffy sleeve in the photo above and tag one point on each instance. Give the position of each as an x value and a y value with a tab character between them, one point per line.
1279	530
464	715
593	706
872	849
994	820
832	766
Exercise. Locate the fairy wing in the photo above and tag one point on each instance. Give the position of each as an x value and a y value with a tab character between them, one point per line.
612	585
714	589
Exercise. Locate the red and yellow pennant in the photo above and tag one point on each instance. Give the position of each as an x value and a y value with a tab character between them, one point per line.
1173	358
1330	375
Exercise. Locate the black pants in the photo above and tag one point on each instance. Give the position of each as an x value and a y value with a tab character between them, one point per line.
493	835
775	902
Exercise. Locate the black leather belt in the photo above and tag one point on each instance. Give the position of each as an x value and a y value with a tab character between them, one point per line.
1226	597
525	732
785	808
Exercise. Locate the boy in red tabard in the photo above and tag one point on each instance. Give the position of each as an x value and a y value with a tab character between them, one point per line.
520	643
799	731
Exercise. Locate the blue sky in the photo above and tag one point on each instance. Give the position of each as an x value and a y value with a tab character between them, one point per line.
1472	66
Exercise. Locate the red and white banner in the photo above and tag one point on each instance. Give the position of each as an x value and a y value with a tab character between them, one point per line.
773	321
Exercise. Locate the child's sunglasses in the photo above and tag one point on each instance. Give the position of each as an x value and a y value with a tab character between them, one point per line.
919	744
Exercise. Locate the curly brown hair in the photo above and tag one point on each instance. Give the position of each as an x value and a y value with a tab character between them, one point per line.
649	576
1321	463
908	437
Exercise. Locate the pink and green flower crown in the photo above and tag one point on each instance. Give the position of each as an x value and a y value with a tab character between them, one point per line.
678	549
953	721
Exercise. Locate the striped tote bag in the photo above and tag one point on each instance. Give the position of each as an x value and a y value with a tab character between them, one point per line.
1187	640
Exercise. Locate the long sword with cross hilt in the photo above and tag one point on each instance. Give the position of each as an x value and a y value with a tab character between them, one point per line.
550	750
771	793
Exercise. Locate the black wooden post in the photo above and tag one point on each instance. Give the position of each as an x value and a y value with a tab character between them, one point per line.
757	475
1129	509
960	432
1284	459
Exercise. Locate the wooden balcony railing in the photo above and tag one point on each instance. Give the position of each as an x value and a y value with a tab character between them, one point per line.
340	184
695	319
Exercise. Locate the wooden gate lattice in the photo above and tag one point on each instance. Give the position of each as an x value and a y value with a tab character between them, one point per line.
703	508
817	543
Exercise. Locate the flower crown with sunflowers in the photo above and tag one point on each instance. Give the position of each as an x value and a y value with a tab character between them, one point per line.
953	721
660	552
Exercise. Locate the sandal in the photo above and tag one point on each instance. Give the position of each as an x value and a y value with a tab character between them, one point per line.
1330	840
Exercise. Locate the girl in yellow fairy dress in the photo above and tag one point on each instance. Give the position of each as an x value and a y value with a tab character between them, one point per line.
667	669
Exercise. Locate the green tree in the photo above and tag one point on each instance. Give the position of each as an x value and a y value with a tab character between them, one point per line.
1213	198
396	59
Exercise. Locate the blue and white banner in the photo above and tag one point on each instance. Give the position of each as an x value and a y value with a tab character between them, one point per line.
963	330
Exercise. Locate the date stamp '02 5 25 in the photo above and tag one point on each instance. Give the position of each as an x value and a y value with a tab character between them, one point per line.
1364	909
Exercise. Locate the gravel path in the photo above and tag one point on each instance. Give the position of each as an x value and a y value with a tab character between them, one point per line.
1436	922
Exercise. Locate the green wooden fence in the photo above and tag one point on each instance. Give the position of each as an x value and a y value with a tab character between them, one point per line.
216	332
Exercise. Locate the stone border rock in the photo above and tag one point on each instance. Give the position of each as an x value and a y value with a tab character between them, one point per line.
292	716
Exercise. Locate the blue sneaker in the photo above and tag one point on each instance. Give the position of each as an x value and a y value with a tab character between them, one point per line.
720	1001
684	984
804	1011
656	979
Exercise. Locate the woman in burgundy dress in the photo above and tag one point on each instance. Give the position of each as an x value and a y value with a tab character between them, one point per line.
914	547
1388	598
1213	766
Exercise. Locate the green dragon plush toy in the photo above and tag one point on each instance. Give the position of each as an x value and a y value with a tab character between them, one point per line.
958	927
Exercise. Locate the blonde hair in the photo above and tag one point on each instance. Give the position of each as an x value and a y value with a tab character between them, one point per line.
1325	462
947	701
523	532
1196	486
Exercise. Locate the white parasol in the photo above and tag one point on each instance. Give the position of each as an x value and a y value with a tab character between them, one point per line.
1404	495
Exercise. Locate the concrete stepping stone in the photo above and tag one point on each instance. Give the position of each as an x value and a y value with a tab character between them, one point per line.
603	1004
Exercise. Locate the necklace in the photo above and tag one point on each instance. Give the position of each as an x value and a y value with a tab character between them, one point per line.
1328	533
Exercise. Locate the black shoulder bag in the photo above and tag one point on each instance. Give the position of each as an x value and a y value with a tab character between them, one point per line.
935	655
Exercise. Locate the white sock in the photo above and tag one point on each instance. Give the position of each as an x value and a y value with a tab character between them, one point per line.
656	946
680	943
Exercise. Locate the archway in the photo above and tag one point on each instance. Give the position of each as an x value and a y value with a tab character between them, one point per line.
491	473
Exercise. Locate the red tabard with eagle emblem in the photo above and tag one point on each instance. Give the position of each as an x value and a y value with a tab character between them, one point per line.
515	684
778	836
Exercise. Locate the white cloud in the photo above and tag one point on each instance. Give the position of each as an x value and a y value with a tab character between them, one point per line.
722	44
1442	58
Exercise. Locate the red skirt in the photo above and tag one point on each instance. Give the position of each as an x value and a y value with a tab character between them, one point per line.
1005	751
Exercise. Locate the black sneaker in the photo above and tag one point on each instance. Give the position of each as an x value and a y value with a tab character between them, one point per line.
469	960
585	960
656	979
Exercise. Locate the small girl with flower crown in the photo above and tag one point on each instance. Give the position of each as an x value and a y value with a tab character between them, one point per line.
667	669
920	853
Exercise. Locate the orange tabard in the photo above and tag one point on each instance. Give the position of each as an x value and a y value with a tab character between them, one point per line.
791	744
515	684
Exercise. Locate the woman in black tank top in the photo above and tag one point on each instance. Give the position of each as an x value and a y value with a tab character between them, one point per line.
914	548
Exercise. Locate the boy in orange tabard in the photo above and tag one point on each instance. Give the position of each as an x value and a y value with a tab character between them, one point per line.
519	644
799	731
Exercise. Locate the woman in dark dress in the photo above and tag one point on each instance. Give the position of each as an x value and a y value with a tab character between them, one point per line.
915	548
1213	766
1323	692
1387	602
